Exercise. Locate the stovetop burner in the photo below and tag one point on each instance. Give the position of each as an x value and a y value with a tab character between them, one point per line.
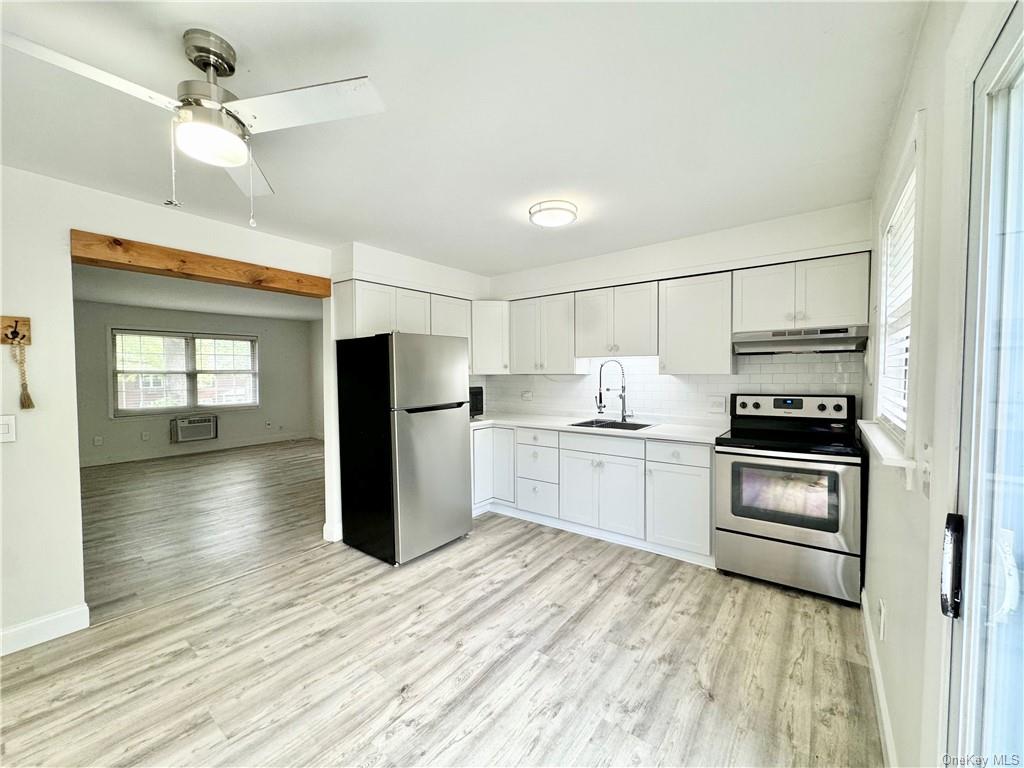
812	424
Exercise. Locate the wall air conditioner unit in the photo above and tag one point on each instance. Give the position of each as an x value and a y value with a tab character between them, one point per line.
189	428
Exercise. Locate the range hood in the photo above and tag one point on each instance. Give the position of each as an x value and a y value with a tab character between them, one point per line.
850	338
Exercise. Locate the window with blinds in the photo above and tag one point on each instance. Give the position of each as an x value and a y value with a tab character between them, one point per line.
896	294
157	372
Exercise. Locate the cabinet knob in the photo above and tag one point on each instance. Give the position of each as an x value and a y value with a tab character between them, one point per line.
535	438
593	462
675	454
504	365
535	489
609	347
541	366
616	346
650	472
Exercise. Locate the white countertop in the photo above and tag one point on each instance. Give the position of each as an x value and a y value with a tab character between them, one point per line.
704	431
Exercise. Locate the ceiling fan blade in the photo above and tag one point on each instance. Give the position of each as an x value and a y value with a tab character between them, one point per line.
240	175
306	106
20	44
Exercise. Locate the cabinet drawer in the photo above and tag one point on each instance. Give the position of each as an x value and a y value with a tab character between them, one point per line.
536	496
537	463
679	453
612	446
544	437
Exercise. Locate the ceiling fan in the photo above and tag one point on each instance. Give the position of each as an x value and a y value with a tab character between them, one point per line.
213	125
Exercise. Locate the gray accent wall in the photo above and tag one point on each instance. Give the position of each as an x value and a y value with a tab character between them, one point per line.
287	352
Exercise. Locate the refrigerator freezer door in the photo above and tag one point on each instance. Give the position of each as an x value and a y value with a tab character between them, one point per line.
432	485
428	370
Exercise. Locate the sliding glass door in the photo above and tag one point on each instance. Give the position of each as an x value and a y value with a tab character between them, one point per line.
987	680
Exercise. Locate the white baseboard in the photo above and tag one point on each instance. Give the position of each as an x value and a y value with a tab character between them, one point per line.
877	685
594	533
44	628
332	531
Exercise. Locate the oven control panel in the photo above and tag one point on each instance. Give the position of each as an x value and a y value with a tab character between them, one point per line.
808	406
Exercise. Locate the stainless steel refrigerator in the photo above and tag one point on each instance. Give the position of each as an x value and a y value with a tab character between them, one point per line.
403	411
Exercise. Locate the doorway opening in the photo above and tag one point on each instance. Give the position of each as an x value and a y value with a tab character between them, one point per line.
200	413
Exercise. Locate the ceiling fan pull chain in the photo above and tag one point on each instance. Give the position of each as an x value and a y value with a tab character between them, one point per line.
252	196
173	202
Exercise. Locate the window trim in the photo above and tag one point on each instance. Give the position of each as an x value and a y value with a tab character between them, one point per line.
911	163
191	373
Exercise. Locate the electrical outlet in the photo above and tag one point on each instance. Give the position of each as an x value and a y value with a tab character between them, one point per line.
8	428
526	394
881	620
716	404
267	424
144	436
97	440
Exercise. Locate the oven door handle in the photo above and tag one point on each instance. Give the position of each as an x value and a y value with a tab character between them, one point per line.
812	457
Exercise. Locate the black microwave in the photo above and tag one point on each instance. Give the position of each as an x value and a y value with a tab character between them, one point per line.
476	401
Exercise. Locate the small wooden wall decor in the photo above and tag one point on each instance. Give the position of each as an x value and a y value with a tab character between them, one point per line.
17	332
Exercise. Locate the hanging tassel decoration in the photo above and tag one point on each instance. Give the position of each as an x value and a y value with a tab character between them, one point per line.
18	355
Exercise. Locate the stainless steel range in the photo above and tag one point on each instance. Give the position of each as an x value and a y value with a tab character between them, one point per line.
788	493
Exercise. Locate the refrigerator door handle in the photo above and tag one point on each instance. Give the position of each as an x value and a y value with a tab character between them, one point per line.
442	407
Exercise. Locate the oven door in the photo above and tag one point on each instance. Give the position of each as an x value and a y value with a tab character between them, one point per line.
798	498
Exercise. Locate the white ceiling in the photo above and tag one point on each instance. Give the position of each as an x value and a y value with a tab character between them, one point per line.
658	120
112	286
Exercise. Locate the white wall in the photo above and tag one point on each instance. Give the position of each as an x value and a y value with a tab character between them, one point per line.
316	378
285	369
655	395
828	232
360	261
42	592
905	527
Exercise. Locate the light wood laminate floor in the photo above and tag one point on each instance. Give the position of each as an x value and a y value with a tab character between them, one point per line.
158	529
521	645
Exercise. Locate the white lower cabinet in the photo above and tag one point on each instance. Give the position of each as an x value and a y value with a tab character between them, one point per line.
679	506
537	496
483	465
494	469
504	464
602	491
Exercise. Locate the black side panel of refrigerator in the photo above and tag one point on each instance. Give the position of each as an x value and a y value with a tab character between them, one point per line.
364	416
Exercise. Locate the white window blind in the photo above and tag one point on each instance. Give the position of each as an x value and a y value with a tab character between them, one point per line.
157	371
897	295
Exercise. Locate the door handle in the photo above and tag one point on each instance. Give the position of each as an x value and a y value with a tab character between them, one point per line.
950	576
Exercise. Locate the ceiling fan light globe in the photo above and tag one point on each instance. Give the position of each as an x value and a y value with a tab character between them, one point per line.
209	136
553	213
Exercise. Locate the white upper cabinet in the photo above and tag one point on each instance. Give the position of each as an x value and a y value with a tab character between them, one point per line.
490	337
525	333
412	311
832	291
595	323
557	334
803	294
617	321
374	308
763	298
450	316
696	324
636	320
543	335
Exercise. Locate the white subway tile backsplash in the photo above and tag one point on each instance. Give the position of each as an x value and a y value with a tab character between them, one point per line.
649	392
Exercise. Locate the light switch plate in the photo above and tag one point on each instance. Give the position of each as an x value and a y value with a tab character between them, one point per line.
526	394
716	404
8	428
97	440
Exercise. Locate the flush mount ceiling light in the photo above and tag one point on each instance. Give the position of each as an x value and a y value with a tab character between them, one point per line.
553	213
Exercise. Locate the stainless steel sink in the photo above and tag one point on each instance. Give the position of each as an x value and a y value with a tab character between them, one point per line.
610	424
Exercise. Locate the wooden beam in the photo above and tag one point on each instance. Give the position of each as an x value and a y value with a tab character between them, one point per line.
133	256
